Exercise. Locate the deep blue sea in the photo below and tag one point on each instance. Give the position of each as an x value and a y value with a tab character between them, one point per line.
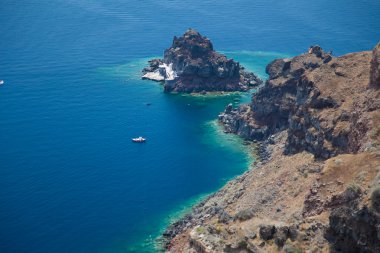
71	180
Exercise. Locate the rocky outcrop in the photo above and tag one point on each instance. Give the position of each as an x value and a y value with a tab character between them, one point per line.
272	104
192	65
311	96
239	121
354	230
375	67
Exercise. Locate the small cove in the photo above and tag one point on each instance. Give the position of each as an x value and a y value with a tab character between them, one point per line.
208	133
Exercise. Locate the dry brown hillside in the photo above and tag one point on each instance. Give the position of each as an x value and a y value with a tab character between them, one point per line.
317	188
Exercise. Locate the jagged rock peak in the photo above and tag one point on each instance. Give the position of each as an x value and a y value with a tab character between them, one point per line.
192	45
192	34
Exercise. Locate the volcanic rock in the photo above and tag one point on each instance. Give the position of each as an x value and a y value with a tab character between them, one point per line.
192	65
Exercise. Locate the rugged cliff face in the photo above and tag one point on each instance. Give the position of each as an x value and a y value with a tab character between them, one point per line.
318	117
192	65
316	98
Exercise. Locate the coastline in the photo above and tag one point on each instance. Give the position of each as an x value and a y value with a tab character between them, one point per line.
260	153
130	72
178	219
72	180
257	150
316	186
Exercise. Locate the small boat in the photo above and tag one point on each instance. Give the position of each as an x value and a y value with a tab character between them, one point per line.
1	82
139	139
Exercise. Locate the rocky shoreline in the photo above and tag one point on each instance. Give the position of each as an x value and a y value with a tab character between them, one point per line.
195	217
317	185
192	65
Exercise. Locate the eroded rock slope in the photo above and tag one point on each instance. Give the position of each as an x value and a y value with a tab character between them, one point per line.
318	187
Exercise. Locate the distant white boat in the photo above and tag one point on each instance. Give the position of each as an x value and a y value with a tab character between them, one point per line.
139	139
1	82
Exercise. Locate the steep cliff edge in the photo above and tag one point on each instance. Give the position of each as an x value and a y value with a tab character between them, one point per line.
319	190
192	65
322	101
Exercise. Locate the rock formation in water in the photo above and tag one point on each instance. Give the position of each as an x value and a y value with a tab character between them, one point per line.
192	65
317	186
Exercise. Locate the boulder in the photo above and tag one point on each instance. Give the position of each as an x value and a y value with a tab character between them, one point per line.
267	232
281	235
277	67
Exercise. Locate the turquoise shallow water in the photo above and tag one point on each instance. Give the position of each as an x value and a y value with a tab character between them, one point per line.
71	180
70	161
200	120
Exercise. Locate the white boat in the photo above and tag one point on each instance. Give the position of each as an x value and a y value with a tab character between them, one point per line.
1	82
139	139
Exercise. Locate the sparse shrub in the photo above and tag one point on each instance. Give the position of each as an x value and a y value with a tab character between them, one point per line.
377	178
215	229
338	162
267	232
200	230
354	187
295	118
375	199
361	176
281	235
244	215
292	249
224	217
218	229
375	132
242	244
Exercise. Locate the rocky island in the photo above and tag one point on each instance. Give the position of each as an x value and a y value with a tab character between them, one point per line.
192	65
316	187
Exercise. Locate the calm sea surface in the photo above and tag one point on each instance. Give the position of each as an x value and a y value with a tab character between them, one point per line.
71	180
